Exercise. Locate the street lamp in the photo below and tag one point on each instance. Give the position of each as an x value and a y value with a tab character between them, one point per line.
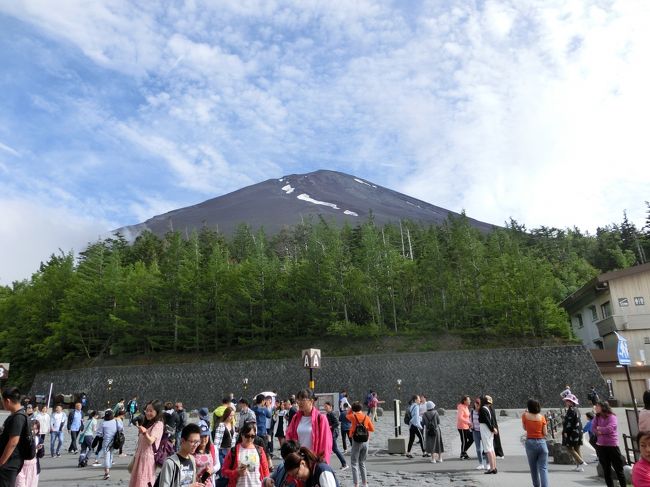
245	385
399	388
398	424
108	399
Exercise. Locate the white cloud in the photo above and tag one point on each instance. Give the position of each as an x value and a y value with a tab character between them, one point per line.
529	109
10	150
31	232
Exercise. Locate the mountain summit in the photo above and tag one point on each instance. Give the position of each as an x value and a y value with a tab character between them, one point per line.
278	203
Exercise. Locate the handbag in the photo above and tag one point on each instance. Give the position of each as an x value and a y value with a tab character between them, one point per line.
131	464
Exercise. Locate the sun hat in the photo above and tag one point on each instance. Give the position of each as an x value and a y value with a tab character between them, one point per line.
205	431
571	398
488	399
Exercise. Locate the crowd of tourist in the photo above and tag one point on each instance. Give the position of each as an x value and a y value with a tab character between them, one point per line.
234	444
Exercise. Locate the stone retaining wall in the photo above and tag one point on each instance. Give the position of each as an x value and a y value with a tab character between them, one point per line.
511	376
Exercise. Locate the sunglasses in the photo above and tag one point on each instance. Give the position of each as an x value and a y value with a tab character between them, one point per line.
250	437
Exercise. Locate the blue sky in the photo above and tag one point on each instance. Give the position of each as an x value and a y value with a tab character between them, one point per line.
112	112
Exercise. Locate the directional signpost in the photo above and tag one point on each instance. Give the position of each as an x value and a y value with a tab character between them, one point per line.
311	361
623	353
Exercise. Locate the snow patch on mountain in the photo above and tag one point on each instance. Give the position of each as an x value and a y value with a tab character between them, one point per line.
364	182
351	213
306	197
288	189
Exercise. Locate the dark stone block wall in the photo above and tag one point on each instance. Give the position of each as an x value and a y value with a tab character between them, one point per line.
510	376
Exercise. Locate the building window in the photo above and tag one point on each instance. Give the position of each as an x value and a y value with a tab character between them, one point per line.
646	340
639	301
579	321
594	313
606	309
623	302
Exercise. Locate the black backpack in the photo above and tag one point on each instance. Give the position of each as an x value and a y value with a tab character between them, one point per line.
26	444
407	417
360	433
118	439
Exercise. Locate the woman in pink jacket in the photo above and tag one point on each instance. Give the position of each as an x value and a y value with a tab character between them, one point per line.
464	424
309	427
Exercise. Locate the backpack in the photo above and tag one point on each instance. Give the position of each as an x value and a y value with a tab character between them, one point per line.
118	440
157	482
26	444
164	450
368	399
407	417
360	433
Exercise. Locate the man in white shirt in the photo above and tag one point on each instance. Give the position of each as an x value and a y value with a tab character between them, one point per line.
57	428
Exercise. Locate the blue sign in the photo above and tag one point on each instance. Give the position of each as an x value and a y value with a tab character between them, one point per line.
622	351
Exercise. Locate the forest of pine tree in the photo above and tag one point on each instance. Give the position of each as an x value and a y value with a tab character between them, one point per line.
202	293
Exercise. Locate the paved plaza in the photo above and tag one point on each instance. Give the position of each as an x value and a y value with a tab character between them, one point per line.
383	469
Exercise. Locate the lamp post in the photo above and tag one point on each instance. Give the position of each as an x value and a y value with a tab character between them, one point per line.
245	385
108	399
398	424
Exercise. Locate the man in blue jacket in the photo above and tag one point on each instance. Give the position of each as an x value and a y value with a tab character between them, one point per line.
262	411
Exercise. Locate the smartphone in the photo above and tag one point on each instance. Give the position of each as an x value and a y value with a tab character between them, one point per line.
205	476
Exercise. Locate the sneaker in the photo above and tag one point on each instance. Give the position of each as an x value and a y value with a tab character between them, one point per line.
58	455
439	460
480	467
433	461
579	468
425	455
345	467
107	476
583	464
408	455
96	463
345	452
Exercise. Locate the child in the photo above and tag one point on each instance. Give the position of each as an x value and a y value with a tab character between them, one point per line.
641	470
587	429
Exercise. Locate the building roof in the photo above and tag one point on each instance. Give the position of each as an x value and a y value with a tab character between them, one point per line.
601	283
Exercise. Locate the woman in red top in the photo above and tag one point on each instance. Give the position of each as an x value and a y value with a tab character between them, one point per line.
464	424
246	463
536	450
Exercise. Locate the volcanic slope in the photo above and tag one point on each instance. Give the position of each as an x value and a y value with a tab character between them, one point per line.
278	203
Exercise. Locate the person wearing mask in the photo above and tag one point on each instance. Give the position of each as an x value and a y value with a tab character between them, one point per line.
488	430
415	425
306	467
534	424
333	421
605	425
464	426
309	427
572	431
476	433
179	469
245	464
150	432
57	427
11	460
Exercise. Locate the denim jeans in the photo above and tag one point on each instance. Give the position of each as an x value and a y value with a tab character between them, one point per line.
479	450
358	460
54	437
537	453
335	447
